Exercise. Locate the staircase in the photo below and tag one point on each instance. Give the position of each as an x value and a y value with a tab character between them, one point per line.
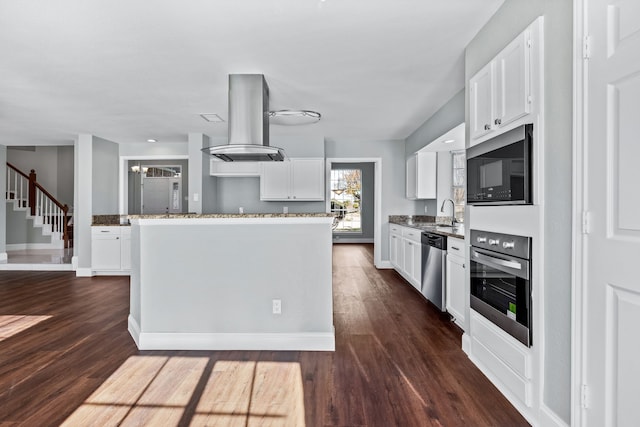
47	213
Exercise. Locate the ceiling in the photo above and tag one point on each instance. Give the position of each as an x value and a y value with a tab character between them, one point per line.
131	70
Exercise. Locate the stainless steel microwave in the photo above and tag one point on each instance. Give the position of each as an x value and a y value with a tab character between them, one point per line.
499	169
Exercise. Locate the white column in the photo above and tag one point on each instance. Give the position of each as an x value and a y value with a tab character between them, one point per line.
83	202
196	142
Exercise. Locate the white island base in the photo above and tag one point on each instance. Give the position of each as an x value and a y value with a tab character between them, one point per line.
209	283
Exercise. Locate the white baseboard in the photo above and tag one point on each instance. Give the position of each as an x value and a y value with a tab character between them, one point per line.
548	418
74	262
3	257
312	341
466	343
134	330
30	246
35	267
112	272
384	265
84	272
351	240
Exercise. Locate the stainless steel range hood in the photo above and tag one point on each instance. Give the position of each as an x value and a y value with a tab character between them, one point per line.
248	122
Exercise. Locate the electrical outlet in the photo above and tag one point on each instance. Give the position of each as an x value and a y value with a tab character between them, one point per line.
277	306
241	210
426	209
285	209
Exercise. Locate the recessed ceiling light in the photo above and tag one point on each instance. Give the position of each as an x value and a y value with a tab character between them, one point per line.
448	141
213	118
152	140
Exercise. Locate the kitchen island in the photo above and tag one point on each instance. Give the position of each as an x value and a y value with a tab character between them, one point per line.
215	281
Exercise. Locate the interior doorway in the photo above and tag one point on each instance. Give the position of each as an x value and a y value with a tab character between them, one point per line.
353	195
161	189
154	185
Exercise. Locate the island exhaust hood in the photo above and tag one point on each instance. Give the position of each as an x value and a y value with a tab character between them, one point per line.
248	122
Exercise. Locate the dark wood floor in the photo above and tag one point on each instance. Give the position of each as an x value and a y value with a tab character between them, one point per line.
397	362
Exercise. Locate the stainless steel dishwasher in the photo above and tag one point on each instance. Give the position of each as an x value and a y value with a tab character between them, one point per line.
434	247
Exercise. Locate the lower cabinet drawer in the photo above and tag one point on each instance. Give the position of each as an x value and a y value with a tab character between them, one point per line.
518	386
510	351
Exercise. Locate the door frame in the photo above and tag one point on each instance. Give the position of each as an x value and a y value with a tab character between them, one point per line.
580	138
123	204
377	210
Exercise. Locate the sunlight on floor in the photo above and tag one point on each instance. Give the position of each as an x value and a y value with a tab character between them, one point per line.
11	325
167	391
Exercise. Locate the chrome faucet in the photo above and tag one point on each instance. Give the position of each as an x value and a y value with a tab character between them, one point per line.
453	211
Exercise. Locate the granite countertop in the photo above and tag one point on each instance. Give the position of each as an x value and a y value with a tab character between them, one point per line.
243	215
125	220
429	223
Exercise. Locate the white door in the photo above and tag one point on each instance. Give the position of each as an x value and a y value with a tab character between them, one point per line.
611	310
155	195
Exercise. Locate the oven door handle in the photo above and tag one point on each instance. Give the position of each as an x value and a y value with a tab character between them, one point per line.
496	262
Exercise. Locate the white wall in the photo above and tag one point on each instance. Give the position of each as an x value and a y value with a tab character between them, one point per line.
507	23
65	175
446	118
393	198
105	166
20	230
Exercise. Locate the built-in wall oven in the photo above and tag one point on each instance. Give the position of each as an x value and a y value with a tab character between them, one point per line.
499	169
500	270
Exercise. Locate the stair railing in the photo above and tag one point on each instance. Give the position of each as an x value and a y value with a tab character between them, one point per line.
38	200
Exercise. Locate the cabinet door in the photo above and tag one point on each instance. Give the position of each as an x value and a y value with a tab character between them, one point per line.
411	177
407	267
456	288
426	175
274	181
307	179
105	252
416	273
513	81
394	243
481	101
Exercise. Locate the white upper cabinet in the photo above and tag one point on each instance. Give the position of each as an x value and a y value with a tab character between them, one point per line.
482	99
307	179
500	93
299	179
513	87
422	176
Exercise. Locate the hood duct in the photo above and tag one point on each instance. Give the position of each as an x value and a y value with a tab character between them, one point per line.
248	122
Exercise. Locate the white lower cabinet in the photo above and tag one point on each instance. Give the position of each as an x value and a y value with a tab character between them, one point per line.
395	246
110	249
506	362
456	287
405	253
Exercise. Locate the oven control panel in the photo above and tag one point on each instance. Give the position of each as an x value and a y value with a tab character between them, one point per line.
518	246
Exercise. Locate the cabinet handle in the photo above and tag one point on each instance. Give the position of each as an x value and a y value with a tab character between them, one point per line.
117	238
455	248
410	244
104	231
487	127
497	121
